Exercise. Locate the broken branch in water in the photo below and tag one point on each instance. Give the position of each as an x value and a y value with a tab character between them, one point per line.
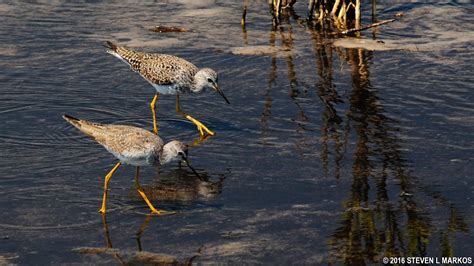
366	27
168	29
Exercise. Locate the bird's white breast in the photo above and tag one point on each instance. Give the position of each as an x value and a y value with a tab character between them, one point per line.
134	157
168	89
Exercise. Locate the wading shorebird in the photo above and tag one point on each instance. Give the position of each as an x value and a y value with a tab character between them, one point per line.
169	74
133	146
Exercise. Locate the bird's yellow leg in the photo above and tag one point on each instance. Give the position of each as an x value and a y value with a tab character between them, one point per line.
201	127
106	186
145	198
153	110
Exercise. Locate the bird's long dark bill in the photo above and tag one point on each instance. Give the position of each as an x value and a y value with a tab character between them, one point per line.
221	93
190	167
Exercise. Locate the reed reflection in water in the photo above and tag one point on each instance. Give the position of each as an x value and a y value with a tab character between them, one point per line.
386	213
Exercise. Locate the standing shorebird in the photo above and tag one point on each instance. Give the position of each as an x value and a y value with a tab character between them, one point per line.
133	146
169	74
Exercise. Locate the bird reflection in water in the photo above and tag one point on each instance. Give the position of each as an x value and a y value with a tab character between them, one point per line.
177	186
183	186
180	186
140	257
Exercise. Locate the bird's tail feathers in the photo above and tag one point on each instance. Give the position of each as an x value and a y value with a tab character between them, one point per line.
94	130
111	46
72	120
120	52
112	49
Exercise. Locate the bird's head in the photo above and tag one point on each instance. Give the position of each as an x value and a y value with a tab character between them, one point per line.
206	78
175	151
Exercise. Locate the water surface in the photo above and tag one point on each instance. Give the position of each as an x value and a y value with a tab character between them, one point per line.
325	155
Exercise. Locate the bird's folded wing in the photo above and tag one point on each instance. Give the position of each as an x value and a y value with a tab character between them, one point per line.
127	140
166	69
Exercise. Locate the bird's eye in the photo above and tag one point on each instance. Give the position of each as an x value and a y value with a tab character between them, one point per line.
209	80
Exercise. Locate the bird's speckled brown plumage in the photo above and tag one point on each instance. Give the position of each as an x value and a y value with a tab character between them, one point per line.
129	144
158	69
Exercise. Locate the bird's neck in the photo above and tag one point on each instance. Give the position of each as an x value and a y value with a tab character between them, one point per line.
165	158
198	84
156	158
166	155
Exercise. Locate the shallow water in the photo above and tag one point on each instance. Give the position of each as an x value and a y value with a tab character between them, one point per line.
325	155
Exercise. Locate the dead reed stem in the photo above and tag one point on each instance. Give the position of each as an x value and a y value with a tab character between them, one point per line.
334	8
342	12
244	14
357	14
311	5
374	10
